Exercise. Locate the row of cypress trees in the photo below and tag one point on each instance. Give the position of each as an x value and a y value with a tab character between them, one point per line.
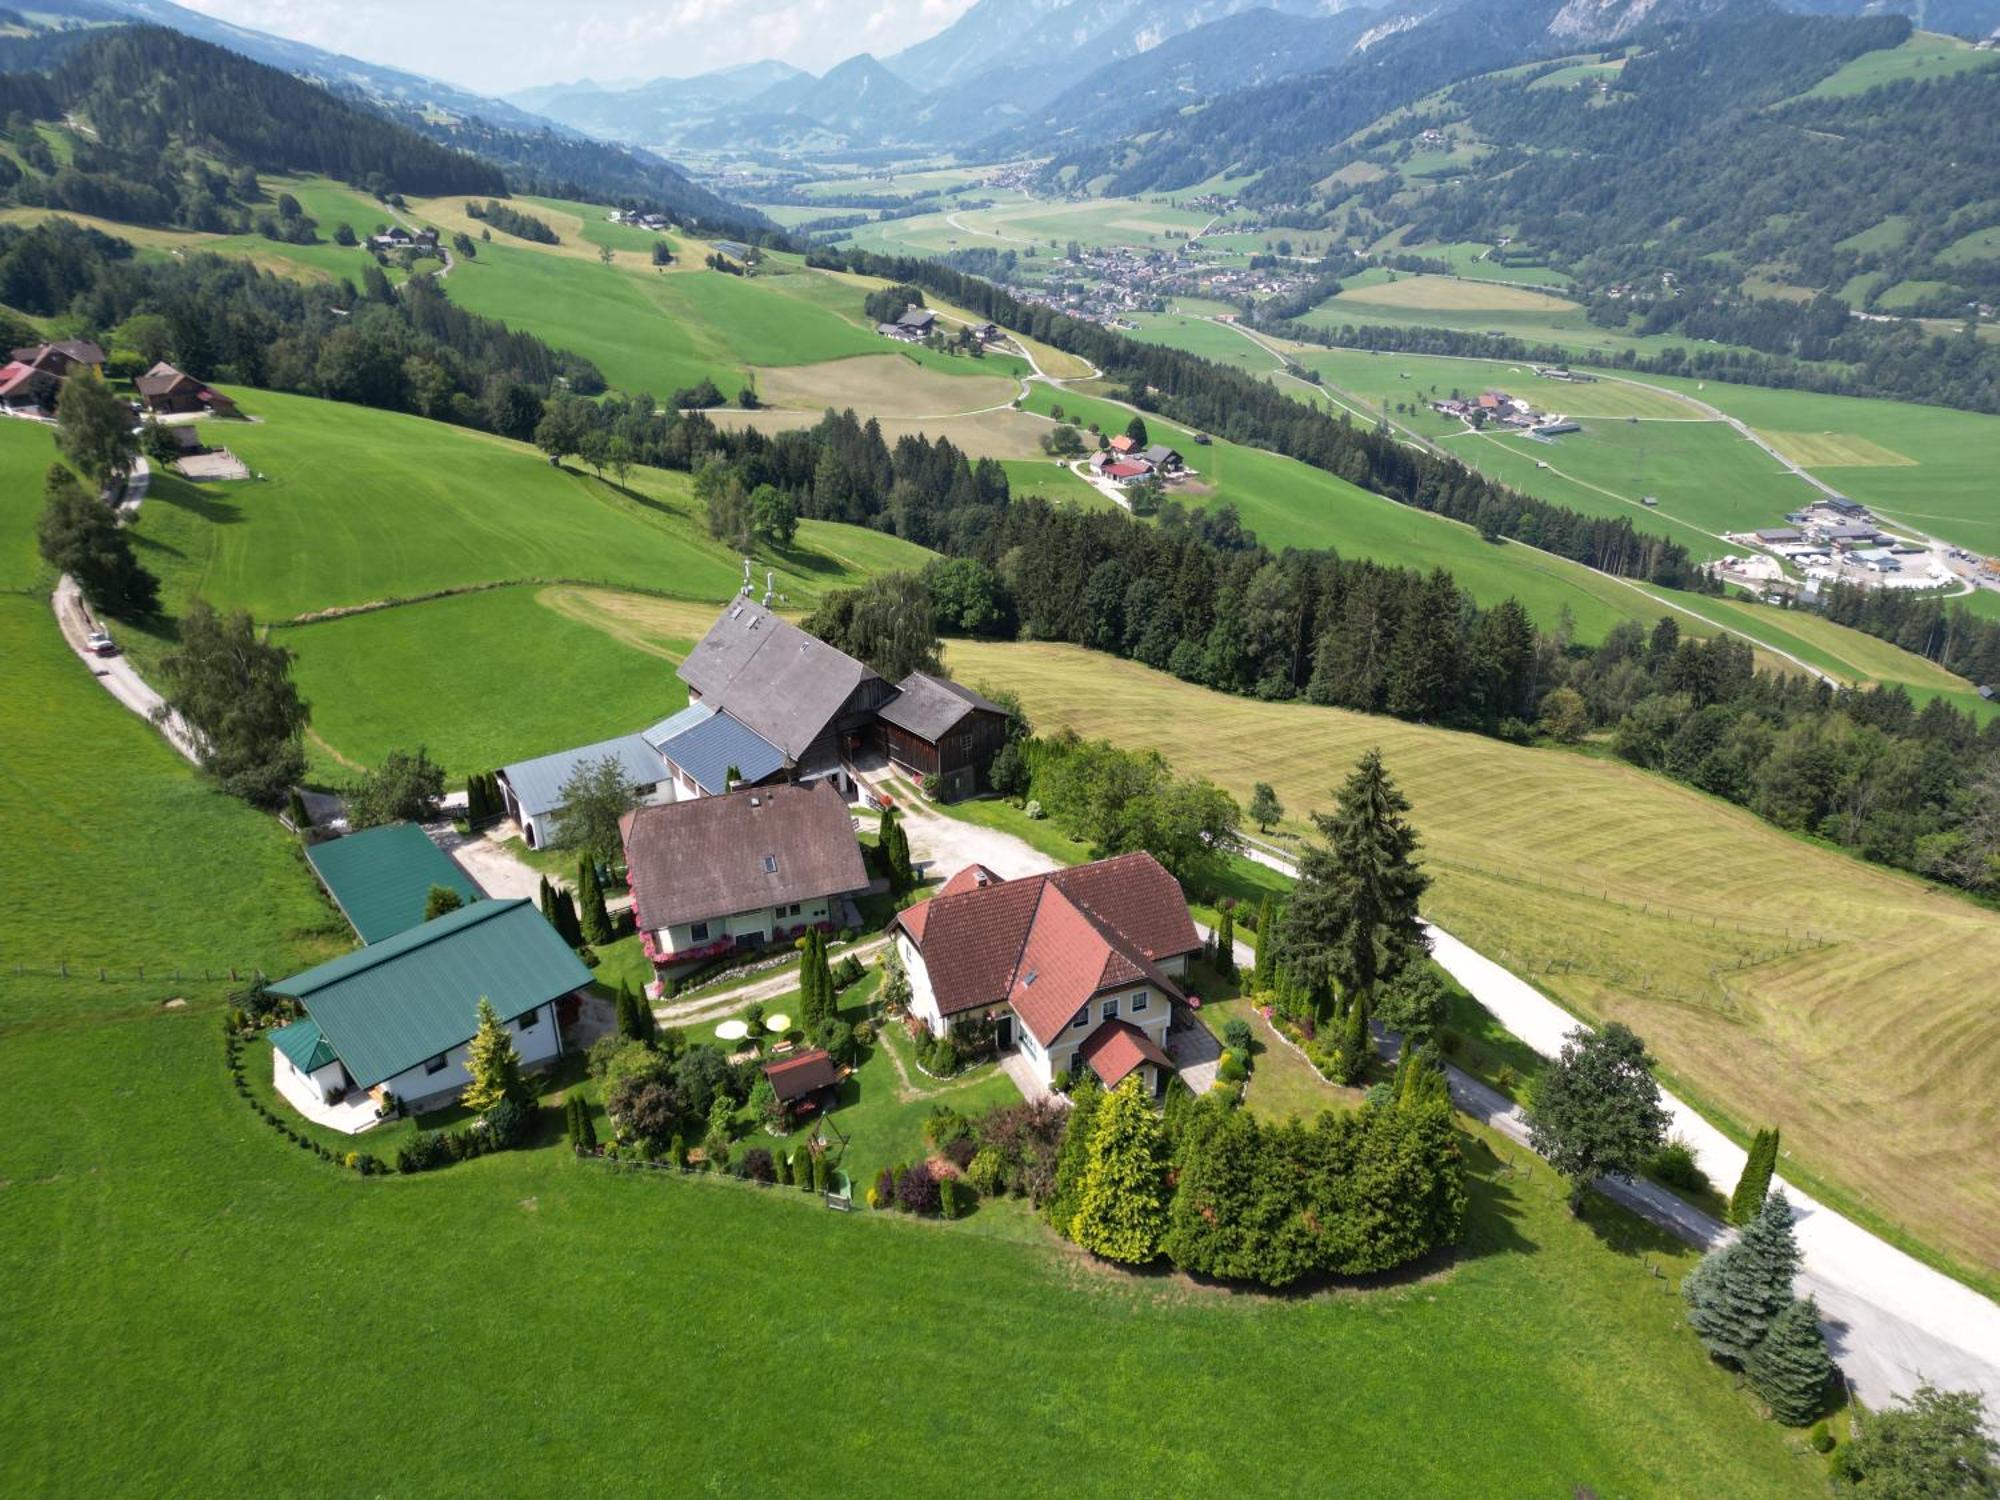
483	802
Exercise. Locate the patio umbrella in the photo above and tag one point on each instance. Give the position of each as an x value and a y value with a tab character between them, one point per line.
733	1031
778	1023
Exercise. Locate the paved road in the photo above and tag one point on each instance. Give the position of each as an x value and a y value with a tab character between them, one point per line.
1891	1320
120	678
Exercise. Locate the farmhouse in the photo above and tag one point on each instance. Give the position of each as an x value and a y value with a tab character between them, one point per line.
1126	471
381	878
738	871
1165	460
168	391
912	325
816	705
395	1018
1076	968
934	727
30	378
1122	443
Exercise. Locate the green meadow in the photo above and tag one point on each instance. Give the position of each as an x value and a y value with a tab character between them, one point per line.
1924	56
26	451
158	1238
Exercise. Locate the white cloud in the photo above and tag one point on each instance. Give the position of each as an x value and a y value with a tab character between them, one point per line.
495	46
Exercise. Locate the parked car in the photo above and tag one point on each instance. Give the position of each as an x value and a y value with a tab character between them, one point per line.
101	644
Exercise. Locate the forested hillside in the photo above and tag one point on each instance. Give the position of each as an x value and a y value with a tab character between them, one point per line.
154	107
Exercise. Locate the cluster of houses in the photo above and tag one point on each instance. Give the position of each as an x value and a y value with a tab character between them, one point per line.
1124	462
1500	409
659	223
913	325
1078	968
396	237
1835	540
32	377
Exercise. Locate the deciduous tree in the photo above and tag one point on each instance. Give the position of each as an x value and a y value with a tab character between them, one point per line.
406	787
1265	808
94	428
236	695
79	534
596	795
1597	1108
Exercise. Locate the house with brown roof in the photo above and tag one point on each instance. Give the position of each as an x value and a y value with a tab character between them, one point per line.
171	392
32	376
935	727
1078	968
812	701
717	875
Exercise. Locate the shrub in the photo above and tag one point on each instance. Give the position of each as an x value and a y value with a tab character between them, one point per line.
987	1172
1034	811
917	1190
839	1042
864	1034
822	1174
803	1163
1060	1084
1506	1080
508	1122
757	1165
848	971
946	1125
677	1152
1674	1165
960	1152
1231	1069
883	1194
944	1057
950	1194
783	1163
1236	1035
874	1199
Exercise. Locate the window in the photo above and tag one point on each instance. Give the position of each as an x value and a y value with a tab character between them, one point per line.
770	864
698	933
435	1065
1081	1018
1111	1009
531	1020
1140	1001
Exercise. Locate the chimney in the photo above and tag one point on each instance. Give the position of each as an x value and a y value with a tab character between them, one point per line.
770	584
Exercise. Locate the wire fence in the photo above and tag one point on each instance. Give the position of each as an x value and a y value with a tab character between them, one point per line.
149	973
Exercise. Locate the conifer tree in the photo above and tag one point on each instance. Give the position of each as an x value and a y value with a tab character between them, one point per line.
566	922
1790	1369
494	1065
1355	1045
1739	1289
804	1165
1353	914
1755	1182
1121	1211
1067	1191
1225	943
597	921
571	1129
1265	972
586	1128
628	1019
782	1162
546	897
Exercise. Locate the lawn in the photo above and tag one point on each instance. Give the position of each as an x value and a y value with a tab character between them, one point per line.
158	1237
480	679
26	451
1449	294
1748	959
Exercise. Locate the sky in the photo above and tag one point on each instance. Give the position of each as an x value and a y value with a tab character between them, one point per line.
499	46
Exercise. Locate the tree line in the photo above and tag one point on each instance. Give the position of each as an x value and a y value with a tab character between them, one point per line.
1235	404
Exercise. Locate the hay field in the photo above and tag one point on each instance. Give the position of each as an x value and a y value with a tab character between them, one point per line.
882	385
993	434
1446	293
1873	1043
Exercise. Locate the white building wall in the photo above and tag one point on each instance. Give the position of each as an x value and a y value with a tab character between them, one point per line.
322	1080
768	920
538	1044
1061	1054
923	999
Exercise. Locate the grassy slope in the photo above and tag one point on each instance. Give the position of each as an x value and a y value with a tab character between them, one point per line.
26	451
1290	504
1627	896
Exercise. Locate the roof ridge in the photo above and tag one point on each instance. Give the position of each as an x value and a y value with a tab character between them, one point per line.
374	955
1027	930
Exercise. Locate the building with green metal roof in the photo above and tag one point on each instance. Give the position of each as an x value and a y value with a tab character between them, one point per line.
397	1015
381	878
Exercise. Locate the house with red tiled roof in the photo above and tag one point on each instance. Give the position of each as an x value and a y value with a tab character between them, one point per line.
1078	968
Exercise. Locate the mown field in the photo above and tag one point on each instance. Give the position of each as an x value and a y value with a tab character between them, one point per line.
1780	982
157	1238
1924	56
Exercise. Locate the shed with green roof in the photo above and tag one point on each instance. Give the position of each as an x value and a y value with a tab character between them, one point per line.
399	1013
381	878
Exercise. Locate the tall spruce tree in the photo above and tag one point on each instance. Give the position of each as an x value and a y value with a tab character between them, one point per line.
1740	1288
1755	1182
1121	1212
1791	1369
1353	914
